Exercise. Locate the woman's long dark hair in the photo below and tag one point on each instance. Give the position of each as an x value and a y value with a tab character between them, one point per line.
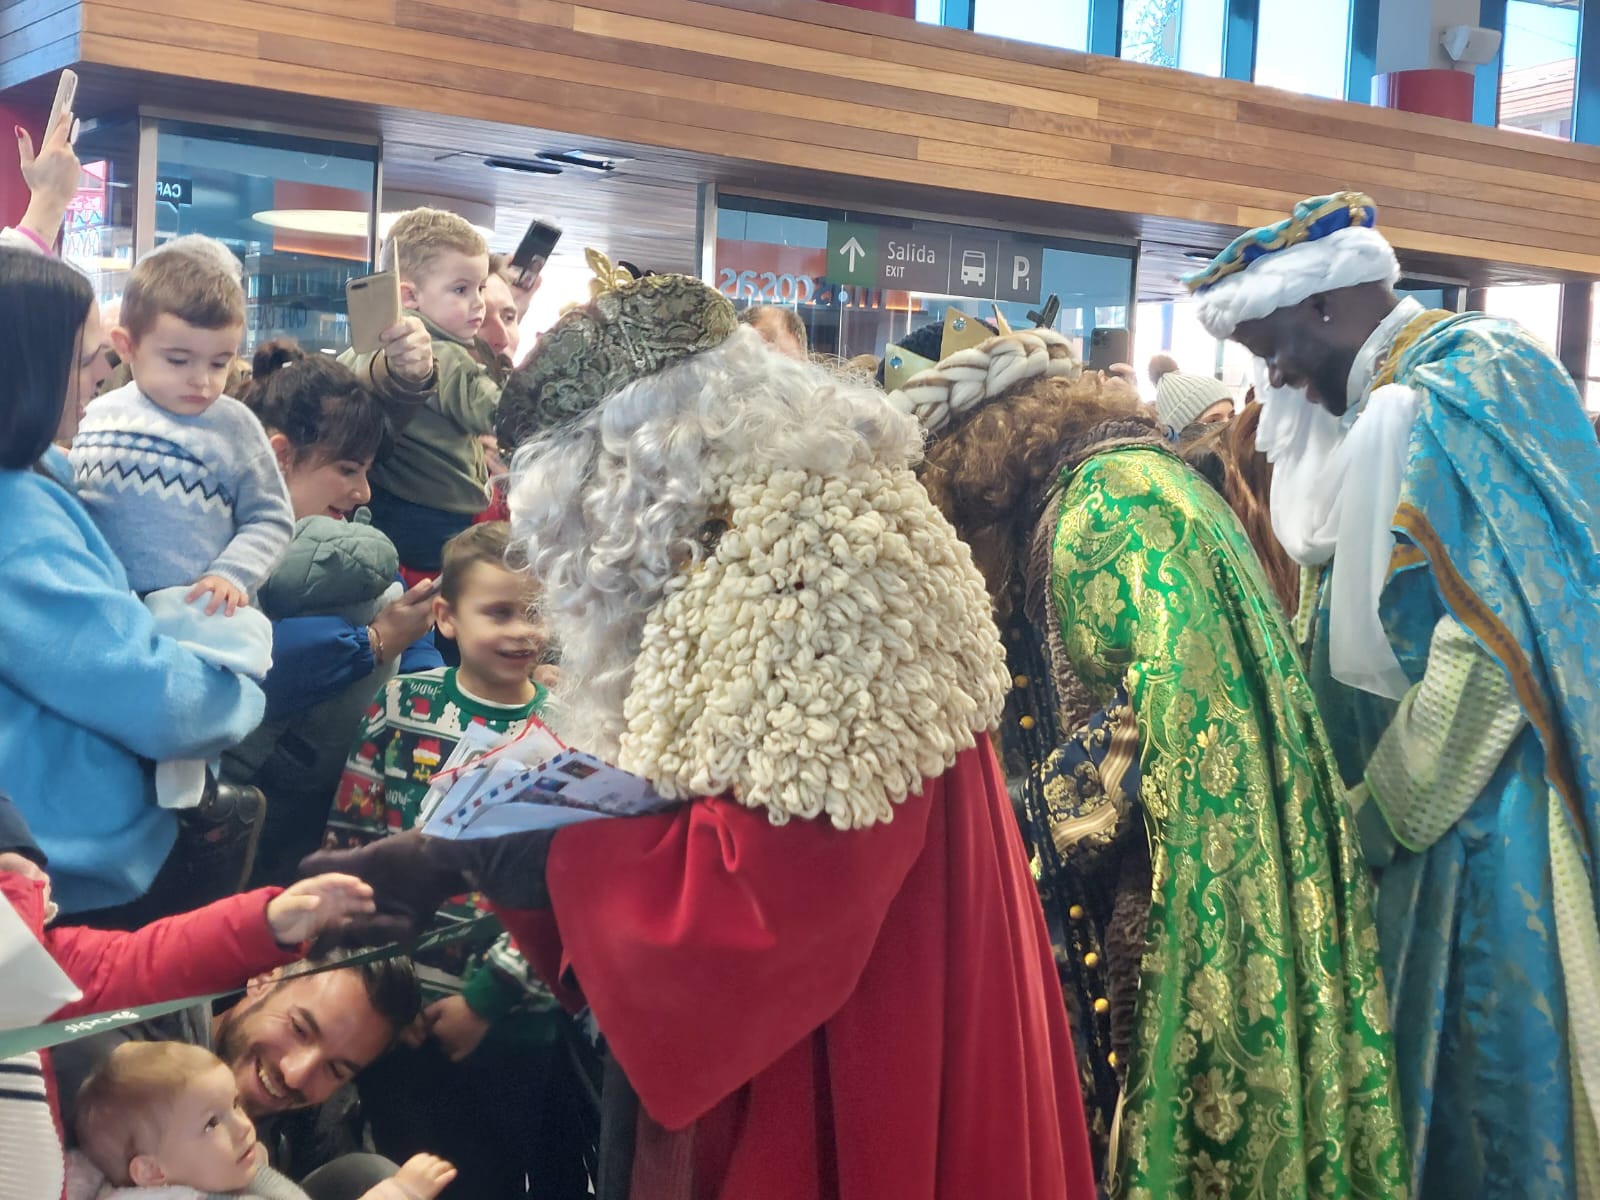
43	304
319	405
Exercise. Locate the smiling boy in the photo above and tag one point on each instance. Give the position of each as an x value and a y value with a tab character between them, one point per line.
415	722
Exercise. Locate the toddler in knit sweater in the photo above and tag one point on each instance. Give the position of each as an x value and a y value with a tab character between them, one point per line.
163	1121
180	478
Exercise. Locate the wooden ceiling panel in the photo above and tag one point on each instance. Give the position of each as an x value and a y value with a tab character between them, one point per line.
820	102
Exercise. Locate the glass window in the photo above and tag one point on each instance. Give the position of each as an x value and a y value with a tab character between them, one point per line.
98	235
769	252
930	12
1538	66
1536	306
1304	47
296	211
1186	34
1063	23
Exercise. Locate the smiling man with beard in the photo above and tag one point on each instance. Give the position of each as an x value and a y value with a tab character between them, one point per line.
292	1042
823	972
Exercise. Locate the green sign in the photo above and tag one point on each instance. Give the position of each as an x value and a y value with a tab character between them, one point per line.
853	253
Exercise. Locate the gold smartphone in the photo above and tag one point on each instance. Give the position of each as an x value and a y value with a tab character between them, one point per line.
373	304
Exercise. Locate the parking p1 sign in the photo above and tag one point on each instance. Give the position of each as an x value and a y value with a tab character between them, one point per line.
1019	269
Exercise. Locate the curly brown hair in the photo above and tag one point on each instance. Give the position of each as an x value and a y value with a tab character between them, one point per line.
1226	454
990	474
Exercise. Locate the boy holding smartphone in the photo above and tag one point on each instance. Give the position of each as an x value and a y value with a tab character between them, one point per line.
432	484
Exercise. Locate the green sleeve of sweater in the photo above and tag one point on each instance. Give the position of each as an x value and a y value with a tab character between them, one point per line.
488	993
500	980
399	403
467	394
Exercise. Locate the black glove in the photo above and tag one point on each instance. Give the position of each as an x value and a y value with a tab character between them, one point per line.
412	875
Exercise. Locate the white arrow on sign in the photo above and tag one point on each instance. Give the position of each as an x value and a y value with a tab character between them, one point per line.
855	250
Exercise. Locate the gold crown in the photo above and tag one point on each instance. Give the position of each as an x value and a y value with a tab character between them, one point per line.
631	328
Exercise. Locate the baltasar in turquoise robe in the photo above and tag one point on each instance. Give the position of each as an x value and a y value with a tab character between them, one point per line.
1487	921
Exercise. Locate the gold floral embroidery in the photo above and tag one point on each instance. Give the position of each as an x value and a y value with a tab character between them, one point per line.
1261	1044
1261	988
1217	771
1216	1105
1101	595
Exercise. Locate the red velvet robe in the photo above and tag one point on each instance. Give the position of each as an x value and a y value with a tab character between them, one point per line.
871	1015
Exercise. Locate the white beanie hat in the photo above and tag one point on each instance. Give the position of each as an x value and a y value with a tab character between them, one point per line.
1181	398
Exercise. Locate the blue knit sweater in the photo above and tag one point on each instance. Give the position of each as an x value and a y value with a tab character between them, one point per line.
87	689
179	497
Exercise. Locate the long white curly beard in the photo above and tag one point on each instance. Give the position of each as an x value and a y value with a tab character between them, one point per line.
834	649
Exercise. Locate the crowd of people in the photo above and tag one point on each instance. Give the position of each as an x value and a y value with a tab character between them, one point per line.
1060	795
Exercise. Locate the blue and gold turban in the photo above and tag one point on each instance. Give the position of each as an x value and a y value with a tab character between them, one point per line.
1329	242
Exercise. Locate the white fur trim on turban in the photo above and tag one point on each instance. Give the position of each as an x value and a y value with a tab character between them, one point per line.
1284	278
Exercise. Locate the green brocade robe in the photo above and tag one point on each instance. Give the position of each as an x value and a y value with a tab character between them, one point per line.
1263	1065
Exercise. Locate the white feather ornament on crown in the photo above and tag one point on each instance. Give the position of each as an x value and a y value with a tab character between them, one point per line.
833	651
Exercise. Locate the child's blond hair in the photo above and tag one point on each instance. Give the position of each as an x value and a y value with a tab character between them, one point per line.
421	235
124	1105
196	279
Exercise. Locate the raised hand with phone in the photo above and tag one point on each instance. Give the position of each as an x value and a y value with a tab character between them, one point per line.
51	170
532	252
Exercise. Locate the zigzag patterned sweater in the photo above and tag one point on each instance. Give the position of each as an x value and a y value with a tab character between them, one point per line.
179	497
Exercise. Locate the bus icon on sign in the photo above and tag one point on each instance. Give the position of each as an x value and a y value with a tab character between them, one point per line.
974	268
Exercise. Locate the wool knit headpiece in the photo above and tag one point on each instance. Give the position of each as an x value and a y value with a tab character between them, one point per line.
966	379
632	327
1181	398
1328	243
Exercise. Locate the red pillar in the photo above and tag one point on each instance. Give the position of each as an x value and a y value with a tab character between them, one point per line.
1438	93
895	8
13	191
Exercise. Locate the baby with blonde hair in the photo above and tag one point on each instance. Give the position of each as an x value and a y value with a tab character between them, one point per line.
163	1121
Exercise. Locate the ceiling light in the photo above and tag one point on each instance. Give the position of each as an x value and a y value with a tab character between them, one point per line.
582	159
335	222
330	222
521	166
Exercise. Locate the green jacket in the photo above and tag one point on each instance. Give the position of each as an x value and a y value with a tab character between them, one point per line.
437	459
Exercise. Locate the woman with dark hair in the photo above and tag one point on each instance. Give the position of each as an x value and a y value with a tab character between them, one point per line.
1233	1014
340	627
91	695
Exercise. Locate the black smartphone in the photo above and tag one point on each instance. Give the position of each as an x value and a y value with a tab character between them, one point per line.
535	247
1108	345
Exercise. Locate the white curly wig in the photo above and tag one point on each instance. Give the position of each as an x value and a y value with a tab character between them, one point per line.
674	532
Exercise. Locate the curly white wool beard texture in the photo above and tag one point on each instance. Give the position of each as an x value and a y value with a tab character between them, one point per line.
866	680
835	650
